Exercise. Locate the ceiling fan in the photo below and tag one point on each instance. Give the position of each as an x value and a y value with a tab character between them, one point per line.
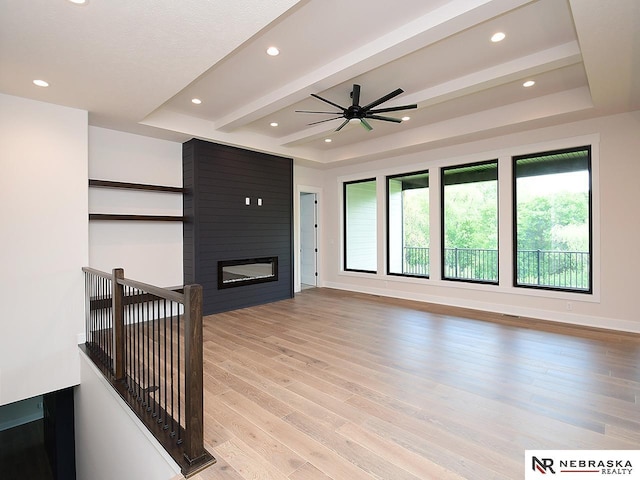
356	112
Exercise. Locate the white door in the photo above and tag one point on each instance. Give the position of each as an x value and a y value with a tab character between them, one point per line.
308	238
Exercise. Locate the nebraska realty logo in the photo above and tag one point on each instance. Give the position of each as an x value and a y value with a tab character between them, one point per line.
584	464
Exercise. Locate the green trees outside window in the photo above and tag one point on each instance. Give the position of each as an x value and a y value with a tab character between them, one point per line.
552	222
470	222
552	218
408	224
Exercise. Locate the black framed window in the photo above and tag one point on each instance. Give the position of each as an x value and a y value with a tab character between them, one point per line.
470	222
553	220
360	226
408	224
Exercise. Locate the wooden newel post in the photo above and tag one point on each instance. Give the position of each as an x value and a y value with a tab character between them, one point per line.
194	402
118	323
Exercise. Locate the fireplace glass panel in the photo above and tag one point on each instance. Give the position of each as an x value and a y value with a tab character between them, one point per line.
235	273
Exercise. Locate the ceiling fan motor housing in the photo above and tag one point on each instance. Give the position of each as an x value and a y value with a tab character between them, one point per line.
355	111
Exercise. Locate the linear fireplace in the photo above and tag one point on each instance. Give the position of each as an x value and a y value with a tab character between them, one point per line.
248	271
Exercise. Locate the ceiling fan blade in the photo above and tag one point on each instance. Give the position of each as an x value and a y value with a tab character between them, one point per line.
388	96
310	111
355	94
329	102
386	119
322	121
367	126
393	109
343	124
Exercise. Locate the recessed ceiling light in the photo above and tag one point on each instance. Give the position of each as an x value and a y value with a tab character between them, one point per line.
327	140
197	101
274	124
41	83
273	51
405	119
497	37
529	83
79	2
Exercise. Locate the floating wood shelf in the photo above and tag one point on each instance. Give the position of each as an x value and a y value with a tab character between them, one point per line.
134	186
143	218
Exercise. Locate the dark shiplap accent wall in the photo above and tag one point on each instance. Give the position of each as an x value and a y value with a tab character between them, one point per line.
219	226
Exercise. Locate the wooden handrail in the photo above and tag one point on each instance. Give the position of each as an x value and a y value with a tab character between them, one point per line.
98	273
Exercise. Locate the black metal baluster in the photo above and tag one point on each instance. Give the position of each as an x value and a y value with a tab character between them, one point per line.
104	326
133	342
94	313
99	319
146	364
179	370
153	356
109	330
87	307
159	391
89	325
139	306
130	338
171	366
102	322
166	425
134	332
125	294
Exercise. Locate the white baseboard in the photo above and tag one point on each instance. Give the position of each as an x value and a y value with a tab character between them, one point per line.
607	323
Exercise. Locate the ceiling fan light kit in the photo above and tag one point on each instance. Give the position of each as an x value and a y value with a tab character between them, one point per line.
356	112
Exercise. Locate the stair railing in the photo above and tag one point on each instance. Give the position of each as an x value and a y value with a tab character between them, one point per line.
147	341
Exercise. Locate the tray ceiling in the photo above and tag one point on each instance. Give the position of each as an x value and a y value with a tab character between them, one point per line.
137	66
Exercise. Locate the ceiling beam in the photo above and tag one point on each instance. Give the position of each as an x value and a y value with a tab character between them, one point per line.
448	20
552	58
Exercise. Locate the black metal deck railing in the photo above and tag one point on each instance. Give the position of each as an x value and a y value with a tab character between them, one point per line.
570	270
480	264
556	269
415	261
148	342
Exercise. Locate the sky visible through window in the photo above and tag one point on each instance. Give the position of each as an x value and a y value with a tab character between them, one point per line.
544	185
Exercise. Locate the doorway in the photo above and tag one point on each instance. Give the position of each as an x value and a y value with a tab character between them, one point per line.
308	240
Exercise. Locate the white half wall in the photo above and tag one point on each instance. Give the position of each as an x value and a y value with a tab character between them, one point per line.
616	228
150	252
111	442
43	213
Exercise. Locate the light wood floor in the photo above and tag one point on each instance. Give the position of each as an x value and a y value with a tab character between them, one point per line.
348	386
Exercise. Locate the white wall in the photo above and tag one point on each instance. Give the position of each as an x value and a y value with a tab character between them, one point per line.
111	442
616	255
148	251
43	216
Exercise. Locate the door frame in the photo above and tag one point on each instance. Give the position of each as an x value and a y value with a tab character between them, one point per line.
300	189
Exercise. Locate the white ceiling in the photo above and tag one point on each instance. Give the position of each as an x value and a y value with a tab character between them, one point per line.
135	66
